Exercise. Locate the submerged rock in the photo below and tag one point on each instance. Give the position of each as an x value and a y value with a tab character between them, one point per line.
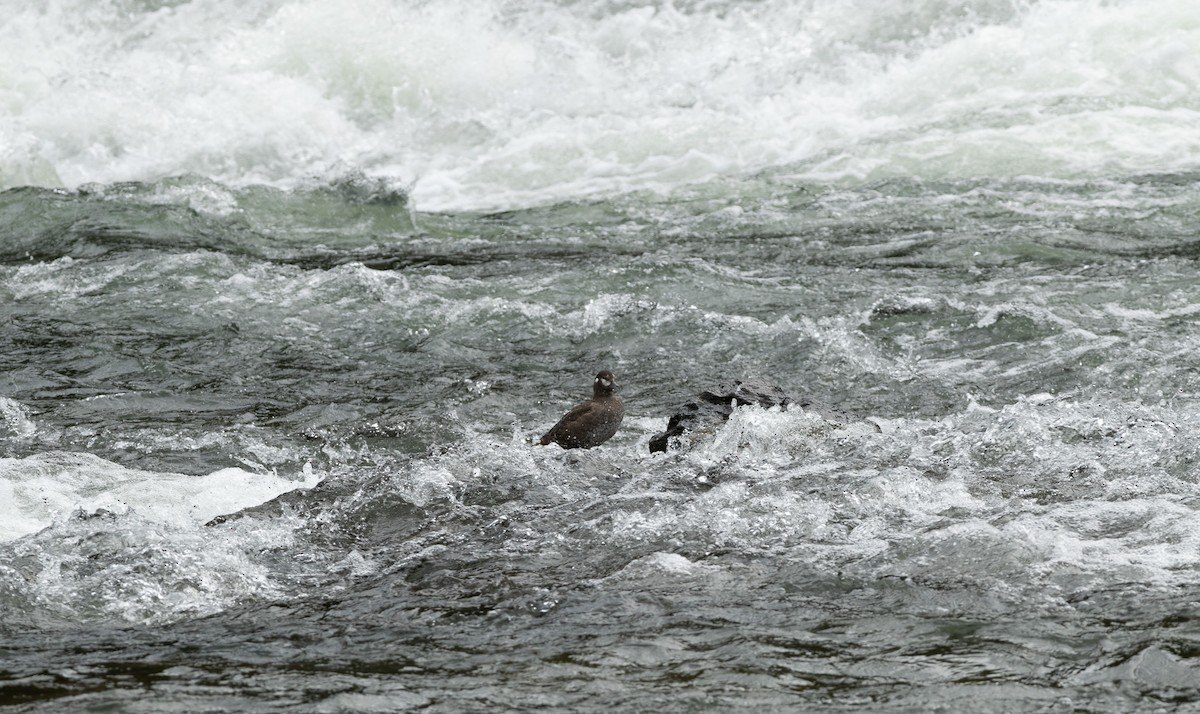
714	405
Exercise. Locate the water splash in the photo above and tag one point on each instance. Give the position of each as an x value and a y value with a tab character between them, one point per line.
503	104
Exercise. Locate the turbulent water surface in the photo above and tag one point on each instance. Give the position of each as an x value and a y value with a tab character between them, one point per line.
287	288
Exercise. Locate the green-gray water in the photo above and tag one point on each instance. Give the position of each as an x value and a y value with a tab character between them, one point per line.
284	299
1011	526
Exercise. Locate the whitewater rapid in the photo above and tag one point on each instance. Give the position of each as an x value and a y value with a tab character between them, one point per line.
500	104
287	287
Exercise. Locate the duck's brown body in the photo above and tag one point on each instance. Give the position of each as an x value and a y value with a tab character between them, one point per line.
593	422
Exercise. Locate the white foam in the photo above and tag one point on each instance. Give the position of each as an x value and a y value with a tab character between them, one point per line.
486	103
14	420
670	564
35	491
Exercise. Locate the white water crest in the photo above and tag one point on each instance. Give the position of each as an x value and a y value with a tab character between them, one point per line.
499	104
37	491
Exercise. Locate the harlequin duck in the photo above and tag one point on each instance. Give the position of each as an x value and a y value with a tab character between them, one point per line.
593	422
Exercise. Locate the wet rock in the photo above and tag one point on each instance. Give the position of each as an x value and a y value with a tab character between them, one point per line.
714	405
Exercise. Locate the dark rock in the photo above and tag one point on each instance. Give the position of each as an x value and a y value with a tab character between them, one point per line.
714	405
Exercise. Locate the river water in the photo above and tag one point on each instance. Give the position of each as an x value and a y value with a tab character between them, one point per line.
287	288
